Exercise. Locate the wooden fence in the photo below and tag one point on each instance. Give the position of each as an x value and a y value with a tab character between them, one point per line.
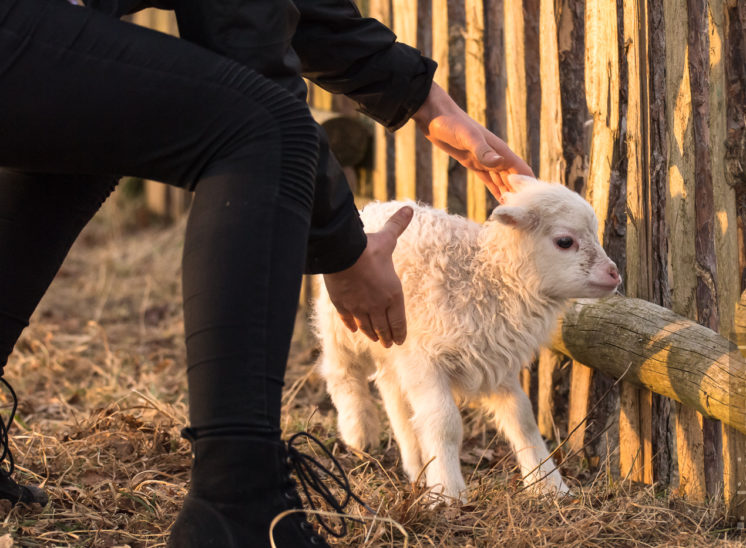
639	105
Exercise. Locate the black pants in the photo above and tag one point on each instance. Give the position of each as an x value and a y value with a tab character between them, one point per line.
82	93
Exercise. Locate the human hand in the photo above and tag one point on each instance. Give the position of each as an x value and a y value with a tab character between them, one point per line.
368	295
476	148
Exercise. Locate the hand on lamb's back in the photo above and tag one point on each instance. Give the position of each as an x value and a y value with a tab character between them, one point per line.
481	300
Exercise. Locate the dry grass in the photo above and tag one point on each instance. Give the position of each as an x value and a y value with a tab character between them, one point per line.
101	383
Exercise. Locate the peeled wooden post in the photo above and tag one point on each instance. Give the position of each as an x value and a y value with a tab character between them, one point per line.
602	98
515	68
726	249
551	168
476	102
636	405
405	27
657	349
379	9
680	216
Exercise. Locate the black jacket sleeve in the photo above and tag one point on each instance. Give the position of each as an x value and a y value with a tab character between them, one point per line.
343	52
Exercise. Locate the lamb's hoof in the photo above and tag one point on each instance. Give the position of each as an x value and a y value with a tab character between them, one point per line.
437	497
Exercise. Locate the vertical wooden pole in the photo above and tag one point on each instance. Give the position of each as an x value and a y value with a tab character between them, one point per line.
515	68
440	159
704	243
580	386
602	99
680	215
639	275
476	102
726	248
405	27
379	9
551	160
551	168
548	364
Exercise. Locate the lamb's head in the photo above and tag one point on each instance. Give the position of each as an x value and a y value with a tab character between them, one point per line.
555	230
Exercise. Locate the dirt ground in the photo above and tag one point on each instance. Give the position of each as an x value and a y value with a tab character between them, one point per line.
101	382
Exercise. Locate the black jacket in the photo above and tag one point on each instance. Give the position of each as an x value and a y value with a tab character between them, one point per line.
331	44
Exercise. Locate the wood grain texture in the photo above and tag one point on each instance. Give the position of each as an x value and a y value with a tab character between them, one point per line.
602	97
680	216
551	159
379	9
515	68
476	100
548	363
580	386
666	353
635	426
405	28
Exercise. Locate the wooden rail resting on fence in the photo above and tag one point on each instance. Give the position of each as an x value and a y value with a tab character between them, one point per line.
659	350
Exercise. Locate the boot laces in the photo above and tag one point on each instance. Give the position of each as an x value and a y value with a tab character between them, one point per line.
5	453
311	474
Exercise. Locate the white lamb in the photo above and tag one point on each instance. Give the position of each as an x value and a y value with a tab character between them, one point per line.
480	301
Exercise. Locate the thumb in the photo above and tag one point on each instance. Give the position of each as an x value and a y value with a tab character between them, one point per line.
487	155
398	222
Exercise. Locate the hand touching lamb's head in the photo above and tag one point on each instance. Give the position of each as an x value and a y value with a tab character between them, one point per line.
558	231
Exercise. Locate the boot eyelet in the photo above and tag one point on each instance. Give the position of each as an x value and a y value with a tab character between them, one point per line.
316	540
306	526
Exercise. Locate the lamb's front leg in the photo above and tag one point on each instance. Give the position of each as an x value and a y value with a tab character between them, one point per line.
400	417
437	424
515	418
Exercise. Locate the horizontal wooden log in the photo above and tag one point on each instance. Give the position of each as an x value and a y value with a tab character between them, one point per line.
659	350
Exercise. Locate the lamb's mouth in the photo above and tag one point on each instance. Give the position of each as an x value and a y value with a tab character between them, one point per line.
607	288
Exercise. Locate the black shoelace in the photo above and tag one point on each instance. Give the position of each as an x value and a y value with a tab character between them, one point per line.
311	474
6	454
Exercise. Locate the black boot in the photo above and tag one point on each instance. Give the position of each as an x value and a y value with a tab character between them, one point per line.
240	484
12	493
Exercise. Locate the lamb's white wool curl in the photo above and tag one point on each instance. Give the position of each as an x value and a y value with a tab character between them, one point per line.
480	301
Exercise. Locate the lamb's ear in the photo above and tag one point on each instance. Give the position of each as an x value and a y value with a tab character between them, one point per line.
517	181
516	216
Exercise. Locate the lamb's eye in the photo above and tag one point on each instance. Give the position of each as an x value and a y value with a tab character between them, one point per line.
565	242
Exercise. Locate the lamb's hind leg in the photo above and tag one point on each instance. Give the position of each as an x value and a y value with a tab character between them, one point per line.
400	417
515	418
346	378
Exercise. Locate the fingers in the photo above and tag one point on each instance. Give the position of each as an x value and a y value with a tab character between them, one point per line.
397	319
349	320
388	326
366	326
398	222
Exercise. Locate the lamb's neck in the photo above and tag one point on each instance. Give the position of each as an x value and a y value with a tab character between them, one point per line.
502	262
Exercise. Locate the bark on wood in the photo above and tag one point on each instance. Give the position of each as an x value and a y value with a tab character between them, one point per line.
726	246
457	90
660	351
663	427
704	243
534	84
423	147
575	136
440	158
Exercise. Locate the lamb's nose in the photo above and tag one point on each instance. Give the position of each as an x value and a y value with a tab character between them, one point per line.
613	272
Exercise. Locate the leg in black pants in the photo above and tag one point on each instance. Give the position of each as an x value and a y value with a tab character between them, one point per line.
88	94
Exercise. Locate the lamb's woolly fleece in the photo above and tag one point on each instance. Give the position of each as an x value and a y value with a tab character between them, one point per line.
472	295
